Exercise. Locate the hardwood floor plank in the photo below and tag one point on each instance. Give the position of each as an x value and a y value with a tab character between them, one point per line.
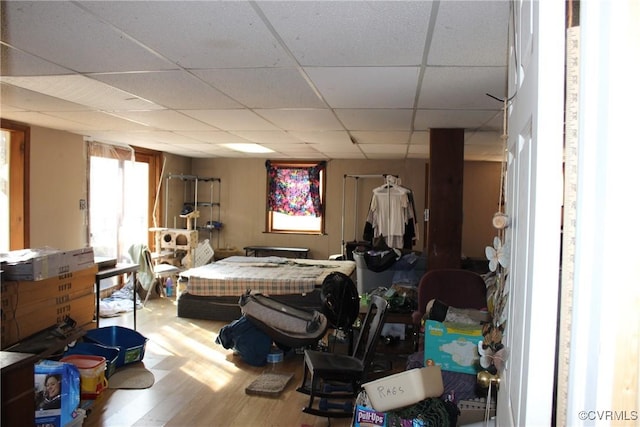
198	382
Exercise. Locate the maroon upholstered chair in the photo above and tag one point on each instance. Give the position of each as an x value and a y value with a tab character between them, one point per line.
454	287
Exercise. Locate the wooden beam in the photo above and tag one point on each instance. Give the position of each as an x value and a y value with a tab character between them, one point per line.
446	167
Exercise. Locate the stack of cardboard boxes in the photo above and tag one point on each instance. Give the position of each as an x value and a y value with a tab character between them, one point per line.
40	288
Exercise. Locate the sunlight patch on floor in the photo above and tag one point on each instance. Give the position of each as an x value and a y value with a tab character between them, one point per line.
170	336
215	377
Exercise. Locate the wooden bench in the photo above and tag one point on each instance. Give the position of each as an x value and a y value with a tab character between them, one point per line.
258	250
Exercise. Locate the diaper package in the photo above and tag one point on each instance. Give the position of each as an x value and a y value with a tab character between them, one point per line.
452	346
57	393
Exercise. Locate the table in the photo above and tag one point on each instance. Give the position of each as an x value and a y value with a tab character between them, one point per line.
256	250
119	269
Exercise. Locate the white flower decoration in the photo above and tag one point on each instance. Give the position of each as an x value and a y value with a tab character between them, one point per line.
498	254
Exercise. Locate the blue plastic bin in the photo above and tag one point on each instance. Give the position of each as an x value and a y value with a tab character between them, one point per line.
92	349
130	343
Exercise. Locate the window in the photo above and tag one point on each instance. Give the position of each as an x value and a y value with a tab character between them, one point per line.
295	197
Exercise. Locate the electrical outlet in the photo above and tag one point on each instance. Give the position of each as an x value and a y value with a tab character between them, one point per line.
83	204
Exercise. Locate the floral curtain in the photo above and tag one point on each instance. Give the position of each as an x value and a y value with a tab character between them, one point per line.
294	190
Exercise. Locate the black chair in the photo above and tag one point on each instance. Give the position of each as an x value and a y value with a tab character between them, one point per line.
339	376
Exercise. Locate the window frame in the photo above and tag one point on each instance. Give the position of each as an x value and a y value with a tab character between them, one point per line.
269	227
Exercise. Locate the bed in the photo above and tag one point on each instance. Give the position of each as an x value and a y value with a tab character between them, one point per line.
213	290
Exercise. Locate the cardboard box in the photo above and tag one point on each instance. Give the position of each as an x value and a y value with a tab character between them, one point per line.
16	328
63	287
39	264
28	307
452	346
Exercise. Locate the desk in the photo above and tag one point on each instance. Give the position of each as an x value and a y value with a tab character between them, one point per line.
257	250
119	269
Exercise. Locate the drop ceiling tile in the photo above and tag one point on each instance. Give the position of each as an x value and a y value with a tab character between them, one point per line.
323	137
164	119
292	149
82	90
34	101
302	120
231	120
419	138
337	147
10	108
301	156
192	145
382	137
193	154
42	120
264	87
348	33
95	120
376	119
65	34
382	151
268	137
470	33
213	149
355	155
466	119
198	34
462	87
167	137
213	137
366	87
16	63
171	89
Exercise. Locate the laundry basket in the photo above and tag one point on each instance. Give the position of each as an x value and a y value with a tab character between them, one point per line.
204	253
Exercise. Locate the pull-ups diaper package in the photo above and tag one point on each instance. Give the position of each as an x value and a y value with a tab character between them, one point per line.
452	346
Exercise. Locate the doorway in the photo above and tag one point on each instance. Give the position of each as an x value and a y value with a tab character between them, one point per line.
121	198
14	188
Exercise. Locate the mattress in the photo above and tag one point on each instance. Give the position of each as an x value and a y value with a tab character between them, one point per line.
213	290
228	308
268	275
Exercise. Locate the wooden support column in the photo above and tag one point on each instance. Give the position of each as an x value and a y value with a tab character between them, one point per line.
446	167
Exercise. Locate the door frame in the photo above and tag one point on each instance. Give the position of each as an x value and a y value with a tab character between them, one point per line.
19	167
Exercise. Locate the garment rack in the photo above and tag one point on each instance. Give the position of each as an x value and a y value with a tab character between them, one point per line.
388	178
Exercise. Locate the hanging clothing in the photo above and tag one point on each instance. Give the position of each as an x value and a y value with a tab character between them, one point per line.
392	215
141	255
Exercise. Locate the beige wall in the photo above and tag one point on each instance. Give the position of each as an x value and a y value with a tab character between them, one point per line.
480	201
58	182
176	165
243	201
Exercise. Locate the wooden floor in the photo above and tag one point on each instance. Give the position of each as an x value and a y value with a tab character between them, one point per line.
198	382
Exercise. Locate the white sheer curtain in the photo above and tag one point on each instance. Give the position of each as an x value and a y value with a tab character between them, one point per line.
118	200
